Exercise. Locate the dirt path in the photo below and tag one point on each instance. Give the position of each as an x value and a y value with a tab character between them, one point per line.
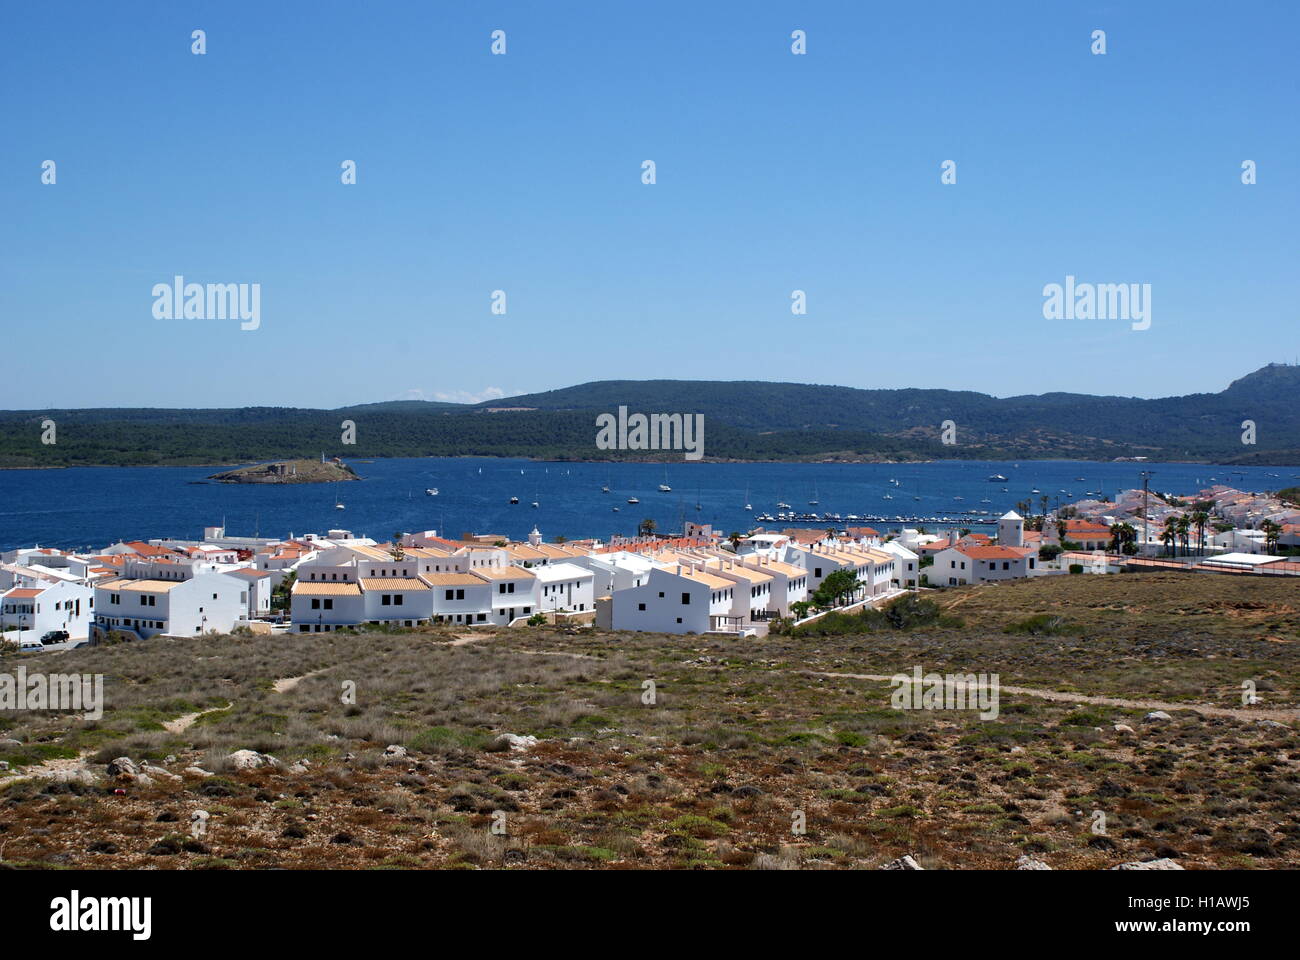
285	684
1237	713
186	720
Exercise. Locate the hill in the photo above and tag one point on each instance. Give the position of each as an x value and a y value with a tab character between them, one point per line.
745	420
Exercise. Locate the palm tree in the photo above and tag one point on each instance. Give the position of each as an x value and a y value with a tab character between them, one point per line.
1170	533
1199	519
1272	531
646	527
735	537
396	550
1184	533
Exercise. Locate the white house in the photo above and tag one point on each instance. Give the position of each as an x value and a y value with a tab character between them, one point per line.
677	600
514	592
179	608
752	596
401	601
907	565
965	563
321	607
789	583
565	586
460	597
48	605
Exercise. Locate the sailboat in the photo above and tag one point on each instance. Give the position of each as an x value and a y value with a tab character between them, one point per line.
605	488
337	506
663	487
814	501
748	505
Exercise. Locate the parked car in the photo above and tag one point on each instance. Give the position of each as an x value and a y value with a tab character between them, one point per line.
55	636
29	645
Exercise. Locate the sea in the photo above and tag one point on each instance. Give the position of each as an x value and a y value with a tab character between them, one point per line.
91	507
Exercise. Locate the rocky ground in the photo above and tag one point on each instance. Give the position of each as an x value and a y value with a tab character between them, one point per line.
1126	741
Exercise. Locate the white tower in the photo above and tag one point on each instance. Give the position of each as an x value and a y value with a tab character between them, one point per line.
1011	530
535	537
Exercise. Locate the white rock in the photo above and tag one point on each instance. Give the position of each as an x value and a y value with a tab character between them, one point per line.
153	771
251	760
197	772
1157	715
1123	728
516	742
1029	863
122	767
904	862
1163	864
394	752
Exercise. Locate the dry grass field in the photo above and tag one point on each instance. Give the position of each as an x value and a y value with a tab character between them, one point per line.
745	739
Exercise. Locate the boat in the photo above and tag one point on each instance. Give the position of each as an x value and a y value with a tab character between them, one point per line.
663	487
514	499
813	502
888	496
431	492
338	506
605	488
783	506
633	500
616	509
997	478
748	505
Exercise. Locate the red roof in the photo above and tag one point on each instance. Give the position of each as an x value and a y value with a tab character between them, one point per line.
994	553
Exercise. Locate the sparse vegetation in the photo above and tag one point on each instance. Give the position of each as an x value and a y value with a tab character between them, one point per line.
741	733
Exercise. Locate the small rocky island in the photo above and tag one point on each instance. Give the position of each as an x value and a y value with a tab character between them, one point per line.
289	471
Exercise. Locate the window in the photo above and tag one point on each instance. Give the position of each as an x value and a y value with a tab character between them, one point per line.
329	603
640	606
315	603
397	599
460	594
386	600
686	599
817	571
451	594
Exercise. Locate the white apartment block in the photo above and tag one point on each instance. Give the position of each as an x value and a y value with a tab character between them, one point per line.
44	606
201	604
681	599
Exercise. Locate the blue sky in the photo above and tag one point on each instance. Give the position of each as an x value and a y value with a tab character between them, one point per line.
522	172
